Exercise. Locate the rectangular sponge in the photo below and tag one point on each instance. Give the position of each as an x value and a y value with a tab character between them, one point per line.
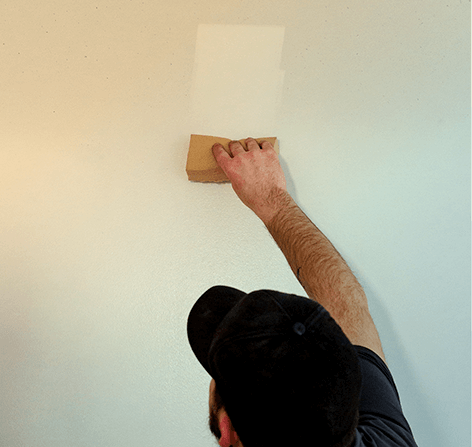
201	164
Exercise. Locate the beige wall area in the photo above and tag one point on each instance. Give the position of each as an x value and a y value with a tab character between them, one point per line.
105	245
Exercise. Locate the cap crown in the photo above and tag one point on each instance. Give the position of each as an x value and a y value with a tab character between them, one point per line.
280	359
286	372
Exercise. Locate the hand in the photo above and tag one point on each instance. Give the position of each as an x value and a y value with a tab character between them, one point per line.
255	174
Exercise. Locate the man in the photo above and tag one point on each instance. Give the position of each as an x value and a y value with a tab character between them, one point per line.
288	370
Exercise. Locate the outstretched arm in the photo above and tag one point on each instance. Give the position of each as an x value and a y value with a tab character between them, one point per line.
258	180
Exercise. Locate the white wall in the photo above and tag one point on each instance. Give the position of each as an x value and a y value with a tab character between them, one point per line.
105	245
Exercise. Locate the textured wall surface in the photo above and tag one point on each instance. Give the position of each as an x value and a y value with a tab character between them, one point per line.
105	245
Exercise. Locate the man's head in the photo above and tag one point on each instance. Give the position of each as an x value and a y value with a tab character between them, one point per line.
284	372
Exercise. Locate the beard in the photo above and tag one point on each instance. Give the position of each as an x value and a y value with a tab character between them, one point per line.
214	410
213	423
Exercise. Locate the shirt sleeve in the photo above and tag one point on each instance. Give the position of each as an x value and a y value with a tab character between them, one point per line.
381	419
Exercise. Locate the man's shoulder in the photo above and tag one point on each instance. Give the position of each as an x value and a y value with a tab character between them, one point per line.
381	418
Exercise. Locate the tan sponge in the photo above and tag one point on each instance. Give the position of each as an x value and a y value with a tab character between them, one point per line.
201	164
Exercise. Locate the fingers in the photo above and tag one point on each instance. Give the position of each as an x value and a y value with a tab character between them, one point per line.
221	156
252	144
236	148
266	145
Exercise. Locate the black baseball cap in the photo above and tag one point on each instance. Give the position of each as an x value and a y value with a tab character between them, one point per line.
278	360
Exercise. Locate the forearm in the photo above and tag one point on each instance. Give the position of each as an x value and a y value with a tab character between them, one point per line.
318	266
258	180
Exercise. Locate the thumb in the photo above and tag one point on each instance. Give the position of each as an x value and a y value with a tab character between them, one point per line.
221	156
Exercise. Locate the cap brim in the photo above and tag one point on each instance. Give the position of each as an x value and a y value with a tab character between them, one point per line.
205	317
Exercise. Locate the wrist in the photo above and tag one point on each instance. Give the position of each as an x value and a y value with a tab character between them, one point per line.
278	200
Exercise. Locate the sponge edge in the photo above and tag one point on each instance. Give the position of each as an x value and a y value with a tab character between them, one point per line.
201	164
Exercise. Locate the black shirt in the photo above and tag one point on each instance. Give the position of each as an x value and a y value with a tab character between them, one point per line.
381	419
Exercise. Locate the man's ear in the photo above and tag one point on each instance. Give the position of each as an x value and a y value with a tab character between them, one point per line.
229	437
